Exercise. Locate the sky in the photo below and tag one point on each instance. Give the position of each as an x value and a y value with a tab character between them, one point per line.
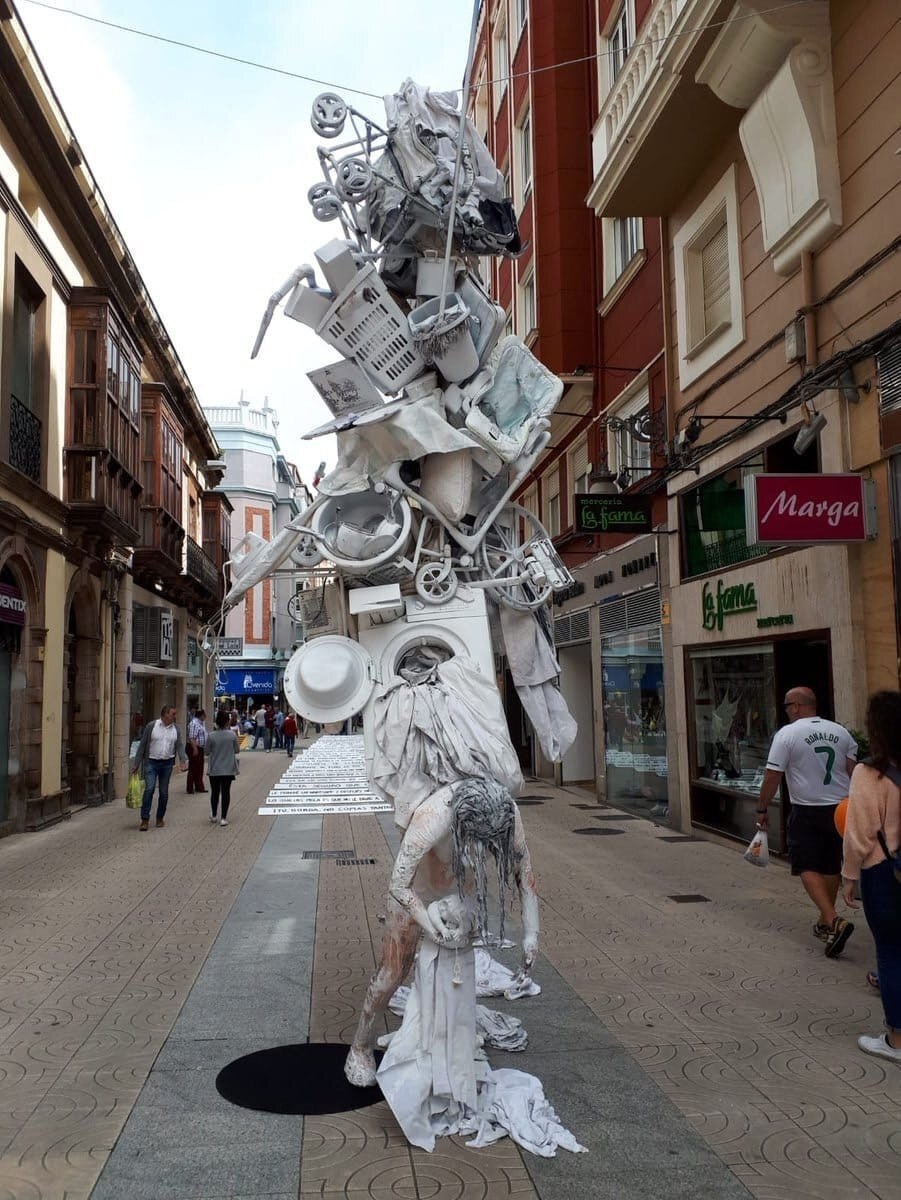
205	164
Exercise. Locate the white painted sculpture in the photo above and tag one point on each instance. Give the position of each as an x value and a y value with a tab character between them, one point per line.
411	543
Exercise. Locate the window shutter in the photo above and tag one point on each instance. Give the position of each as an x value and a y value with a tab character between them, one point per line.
552	484
888	363
715	279
579	461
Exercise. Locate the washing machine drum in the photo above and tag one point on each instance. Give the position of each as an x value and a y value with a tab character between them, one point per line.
328	679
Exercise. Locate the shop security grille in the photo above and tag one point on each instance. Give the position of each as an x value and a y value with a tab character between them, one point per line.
888	363
630	612
574	627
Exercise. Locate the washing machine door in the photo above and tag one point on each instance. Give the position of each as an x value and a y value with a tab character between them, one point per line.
329	678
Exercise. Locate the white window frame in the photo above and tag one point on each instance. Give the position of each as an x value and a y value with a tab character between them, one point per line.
624	452
522	13
482	104
616	233
527	304
550	495
577	483
500	49
621	21
700	350
523	157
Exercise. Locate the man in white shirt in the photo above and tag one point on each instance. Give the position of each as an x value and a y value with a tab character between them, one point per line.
816	757
161	744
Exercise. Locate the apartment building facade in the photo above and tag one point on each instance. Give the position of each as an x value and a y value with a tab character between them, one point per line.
265	491
766	140
104	456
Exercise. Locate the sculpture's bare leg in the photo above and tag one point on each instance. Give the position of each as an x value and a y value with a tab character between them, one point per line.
397	954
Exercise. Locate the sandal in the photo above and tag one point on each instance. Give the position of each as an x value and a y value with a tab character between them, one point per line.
873	980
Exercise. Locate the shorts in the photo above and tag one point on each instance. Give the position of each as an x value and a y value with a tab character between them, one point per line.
814	843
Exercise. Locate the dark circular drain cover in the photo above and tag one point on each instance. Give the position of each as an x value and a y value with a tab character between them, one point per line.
305	1079
528	800
599	832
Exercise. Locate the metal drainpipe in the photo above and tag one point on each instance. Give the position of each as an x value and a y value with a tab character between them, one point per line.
114	573
810	316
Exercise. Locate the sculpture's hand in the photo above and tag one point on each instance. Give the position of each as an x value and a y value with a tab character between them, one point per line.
529	950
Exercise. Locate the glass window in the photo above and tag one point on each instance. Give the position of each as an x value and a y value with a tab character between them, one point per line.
635	721
733	697
618	43
628	452
524	134
27	299
500	64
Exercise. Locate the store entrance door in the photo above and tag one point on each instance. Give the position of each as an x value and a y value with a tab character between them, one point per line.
804	662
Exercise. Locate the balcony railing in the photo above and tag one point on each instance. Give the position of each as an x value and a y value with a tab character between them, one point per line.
161	538
201	568
24	439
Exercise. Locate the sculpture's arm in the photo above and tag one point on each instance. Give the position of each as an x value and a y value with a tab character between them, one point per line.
429	824
528	896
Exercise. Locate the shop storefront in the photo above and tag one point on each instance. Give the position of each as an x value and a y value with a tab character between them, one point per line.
246	687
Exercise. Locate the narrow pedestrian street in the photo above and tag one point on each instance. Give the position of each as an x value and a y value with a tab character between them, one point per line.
689	1032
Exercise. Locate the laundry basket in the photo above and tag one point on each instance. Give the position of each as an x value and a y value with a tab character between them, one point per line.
366	325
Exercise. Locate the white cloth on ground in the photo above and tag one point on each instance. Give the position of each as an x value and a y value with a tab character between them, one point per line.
534	667
435	1081
430	734
496	1029
494	979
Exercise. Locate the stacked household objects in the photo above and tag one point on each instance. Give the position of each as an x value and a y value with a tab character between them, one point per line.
438	419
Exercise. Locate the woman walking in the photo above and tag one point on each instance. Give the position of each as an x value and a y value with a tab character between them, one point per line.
222	766
872	839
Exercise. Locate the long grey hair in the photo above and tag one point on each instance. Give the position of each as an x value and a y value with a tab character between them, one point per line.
484	817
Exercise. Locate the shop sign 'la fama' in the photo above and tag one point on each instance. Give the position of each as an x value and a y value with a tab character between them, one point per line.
785	510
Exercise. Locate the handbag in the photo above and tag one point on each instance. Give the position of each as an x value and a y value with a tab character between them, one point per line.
135	793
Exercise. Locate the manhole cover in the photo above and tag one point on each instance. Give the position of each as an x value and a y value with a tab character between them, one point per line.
529	800
690	898
617	817
327	854
679	837
583	806
599	832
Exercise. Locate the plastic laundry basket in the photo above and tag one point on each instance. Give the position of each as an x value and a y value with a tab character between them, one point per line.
366	325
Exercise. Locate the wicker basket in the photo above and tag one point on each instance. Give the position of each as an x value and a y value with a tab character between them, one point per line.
366	325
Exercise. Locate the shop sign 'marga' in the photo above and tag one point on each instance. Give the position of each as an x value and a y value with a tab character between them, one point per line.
785	510
726	602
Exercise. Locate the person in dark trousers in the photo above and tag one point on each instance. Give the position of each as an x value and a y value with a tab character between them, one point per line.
197	736
161	743
270	727
259	727
816	757
222	757
872	843
289	733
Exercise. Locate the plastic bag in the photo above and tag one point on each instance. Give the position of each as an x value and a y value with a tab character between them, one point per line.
135	793
758	852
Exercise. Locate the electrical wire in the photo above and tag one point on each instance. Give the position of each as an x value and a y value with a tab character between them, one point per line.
346	87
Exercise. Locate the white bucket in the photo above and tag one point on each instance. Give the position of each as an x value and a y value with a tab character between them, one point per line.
445	338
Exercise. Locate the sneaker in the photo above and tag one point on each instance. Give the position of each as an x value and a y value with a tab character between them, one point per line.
144	826
841	931
223	822
160	822
880	1046
213	819
822	932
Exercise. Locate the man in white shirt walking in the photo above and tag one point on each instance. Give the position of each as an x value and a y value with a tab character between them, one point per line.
196	752
816	757
161	744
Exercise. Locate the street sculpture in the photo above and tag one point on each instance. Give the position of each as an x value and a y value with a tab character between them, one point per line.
421	567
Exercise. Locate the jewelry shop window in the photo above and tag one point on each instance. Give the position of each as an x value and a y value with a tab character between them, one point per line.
732	700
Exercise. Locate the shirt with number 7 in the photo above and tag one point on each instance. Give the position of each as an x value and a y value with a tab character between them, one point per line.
813	754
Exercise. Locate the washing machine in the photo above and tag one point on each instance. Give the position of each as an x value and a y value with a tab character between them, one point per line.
331	678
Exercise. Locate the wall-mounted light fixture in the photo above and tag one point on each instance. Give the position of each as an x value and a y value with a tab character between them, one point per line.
814	424
602	482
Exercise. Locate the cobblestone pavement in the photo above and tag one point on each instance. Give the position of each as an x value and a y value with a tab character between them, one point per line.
700	1049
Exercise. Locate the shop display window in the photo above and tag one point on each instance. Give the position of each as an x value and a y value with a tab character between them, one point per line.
733	691
635	722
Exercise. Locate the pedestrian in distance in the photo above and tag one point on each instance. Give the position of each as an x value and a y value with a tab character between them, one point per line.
279	722
289	733
816	757
222	756
270	727
161	744
259	727
872	841
197	736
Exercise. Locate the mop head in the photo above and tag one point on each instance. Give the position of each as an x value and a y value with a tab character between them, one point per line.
484	818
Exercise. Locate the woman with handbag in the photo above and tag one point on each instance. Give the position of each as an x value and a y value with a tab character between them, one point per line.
872	855
222	766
